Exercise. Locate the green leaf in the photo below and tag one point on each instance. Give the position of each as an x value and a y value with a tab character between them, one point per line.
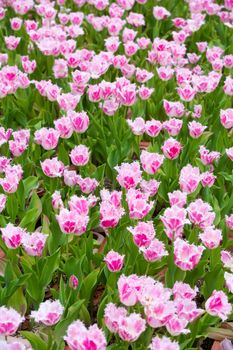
51	264
21	195
220	333
84	314
45	225
56	238
72	314
34	288
101	308
35	202
36	342
117	347
63	154
213	280
18	301
113	157
88	285
227	177
12	206
62	294
94	220
73	309
30	217
9	274
99	172
30	183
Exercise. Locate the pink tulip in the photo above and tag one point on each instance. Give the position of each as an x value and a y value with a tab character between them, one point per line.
80	155
150	187
184	291
163	343
186	93
57	202
34	243
177	198
114	261
111	210
49	312
201	213
196	129
151	162
173	109
226	118
9	321
229	281
12	236
113	316
207	179
143	233
87	185
173	126
52	167
80	337
229	221
138	204
47	138
129	289
160	12
131	327
217	305
211	237
208	157
189	178
229	152
64	127
73	282
137	126
153	127
15	23
186	256
145	92
171	148
228	86
155	251
174	219
129	174
12	42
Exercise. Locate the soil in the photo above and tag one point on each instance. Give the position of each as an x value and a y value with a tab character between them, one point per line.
207	344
